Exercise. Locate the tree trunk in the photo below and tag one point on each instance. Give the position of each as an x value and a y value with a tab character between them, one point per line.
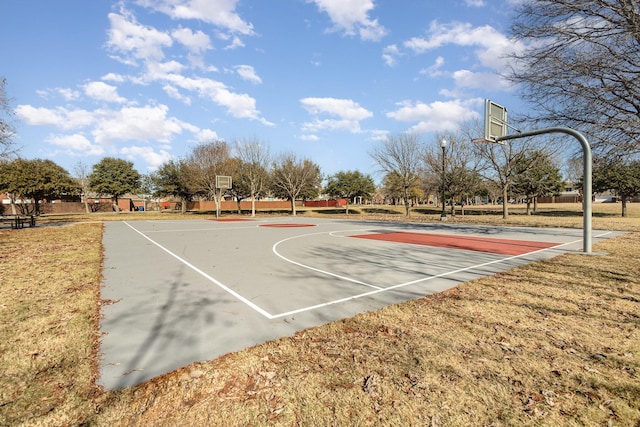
624	206
216	199
293	206
505	208
253	204
346	206
406	201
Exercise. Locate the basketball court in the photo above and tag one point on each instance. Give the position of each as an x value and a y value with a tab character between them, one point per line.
176	292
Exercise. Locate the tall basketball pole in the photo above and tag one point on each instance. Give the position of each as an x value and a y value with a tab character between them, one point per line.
587	192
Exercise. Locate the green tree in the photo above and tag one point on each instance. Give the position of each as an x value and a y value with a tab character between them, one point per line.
621	177
36	180
169	180
350	184
536	176
462	183
114	177
293	177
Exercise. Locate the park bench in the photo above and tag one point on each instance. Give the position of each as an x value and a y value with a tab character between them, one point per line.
18	221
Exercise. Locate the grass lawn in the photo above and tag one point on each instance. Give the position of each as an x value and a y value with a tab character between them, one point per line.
552	343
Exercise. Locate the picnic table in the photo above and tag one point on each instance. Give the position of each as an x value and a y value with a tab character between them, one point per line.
19	220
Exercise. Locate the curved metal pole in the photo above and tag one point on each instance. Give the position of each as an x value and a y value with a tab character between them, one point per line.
587	169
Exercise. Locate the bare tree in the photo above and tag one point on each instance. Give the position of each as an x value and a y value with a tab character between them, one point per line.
7	130
581	67
499	165
82	175
462	178
293	177
254	167
201	167
401	156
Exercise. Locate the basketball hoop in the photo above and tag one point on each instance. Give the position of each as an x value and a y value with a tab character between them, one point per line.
484	140
495	121
223	182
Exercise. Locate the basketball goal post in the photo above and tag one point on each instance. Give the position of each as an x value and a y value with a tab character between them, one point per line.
495	121
496	130
223	182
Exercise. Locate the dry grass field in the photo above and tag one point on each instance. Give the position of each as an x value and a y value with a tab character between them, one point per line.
552	343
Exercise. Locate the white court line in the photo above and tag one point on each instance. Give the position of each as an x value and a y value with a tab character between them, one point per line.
424	279
250	224
376	290
188	230
205	275
348	279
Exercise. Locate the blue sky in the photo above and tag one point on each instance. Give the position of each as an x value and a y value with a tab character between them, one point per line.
147	80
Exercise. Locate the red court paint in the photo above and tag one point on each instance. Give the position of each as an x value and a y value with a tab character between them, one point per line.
479	244
230	219
286	225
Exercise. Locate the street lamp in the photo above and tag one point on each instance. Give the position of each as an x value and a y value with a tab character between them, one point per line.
443	144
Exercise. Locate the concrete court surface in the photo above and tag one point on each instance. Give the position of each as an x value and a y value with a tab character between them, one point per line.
177	292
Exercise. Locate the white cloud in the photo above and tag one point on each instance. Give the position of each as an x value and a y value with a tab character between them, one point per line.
238	105
248	73
491	49
236	42
349	114
152	157
437	116
113	77
217	12
68	94
390	55
492	46
352	17
345	108
474	3
435	69
149	123
159	70
134	41
109	128
196	43
485	81
59	117
76	145
174	93
103	92
205	135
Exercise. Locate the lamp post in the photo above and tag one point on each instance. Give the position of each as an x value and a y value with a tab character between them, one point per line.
443	144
